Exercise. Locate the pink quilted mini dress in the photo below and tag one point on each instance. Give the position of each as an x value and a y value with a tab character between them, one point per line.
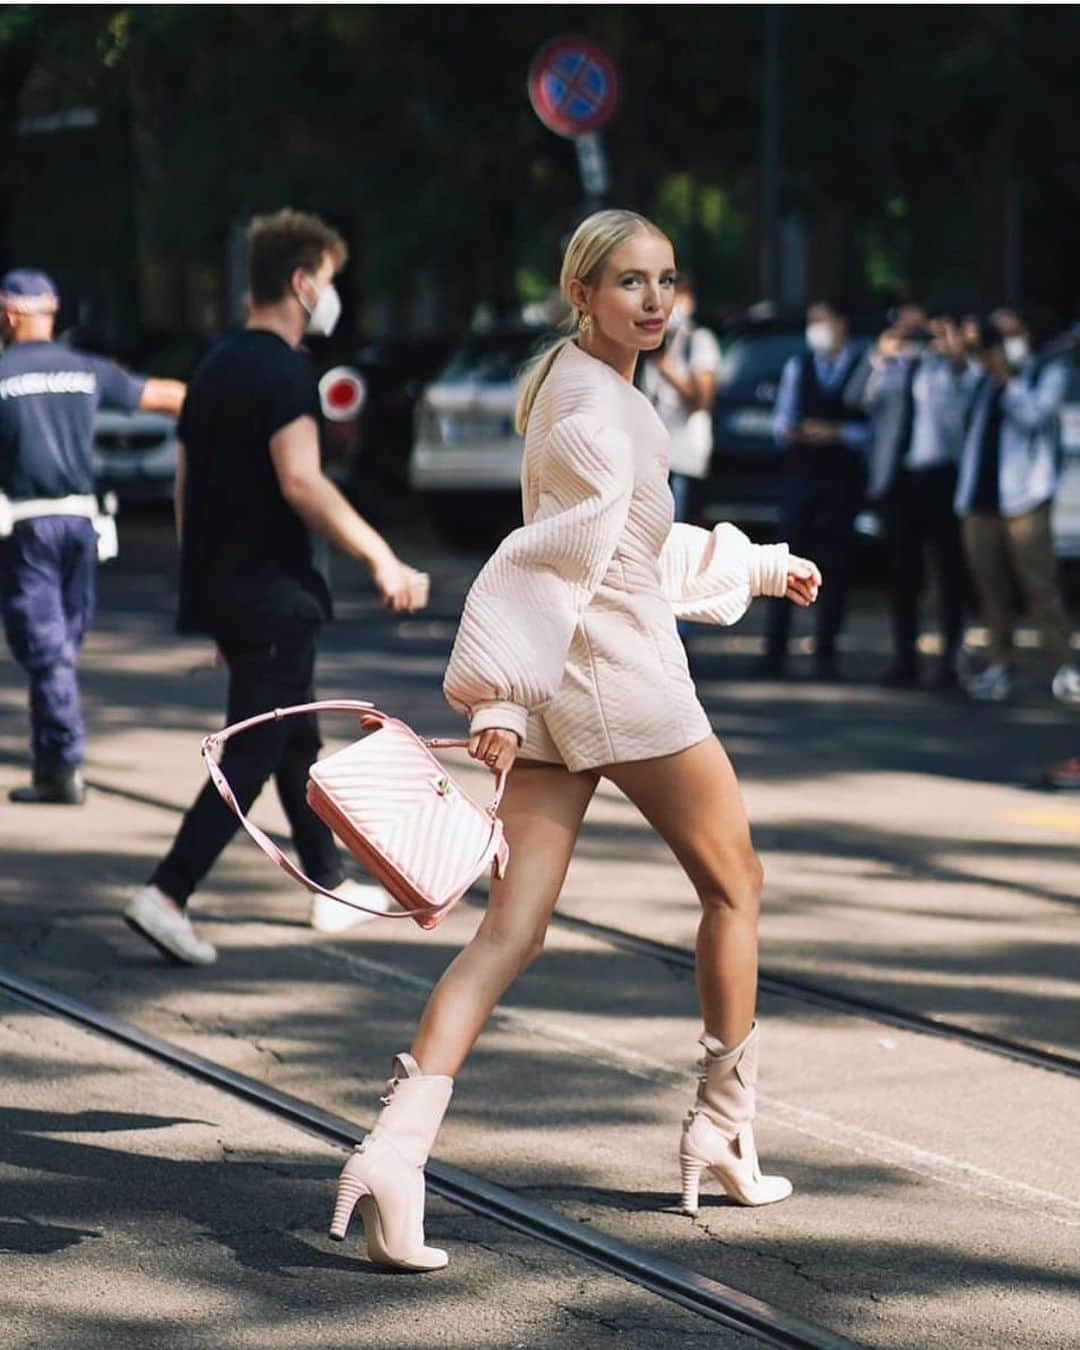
568	633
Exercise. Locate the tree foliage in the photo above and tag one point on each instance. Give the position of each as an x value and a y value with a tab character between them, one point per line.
914	130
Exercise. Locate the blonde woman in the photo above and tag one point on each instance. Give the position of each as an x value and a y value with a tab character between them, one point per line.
568	664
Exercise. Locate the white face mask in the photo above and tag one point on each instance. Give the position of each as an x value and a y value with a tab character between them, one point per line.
1017	350
819	336
323	316
679	316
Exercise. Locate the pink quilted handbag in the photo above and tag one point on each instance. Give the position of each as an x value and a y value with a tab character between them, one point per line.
396	809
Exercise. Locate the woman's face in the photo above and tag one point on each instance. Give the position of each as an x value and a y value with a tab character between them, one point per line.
631	303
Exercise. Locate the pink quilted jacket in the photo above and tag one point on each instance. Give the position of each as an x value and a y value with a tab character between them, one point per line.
568	634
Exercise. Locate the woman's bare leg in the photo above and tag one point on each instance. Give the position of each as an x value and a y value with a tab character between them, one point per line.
541	813
693	801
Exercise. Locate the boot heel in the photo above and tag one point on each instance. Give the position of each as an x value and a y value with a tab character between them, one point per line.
384	1177
348	1193
692	1169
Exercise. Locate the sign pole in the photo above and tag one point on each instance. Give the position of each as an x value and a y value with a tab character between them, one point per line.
593	165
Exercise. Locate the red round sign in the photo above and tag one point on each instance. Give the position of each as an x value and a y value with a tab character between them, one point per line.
573	86
342	393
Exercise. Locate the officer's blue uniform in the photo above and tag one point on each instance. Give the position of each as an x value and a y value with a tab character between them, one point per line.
48	397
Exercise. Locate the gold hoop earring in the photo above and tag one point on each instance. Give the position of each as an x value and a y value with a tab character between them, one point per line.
585	322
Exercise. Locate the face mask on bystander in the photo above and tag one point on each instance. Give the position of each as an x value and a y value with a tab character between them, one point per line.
819	337
324	314
1017	350
680	315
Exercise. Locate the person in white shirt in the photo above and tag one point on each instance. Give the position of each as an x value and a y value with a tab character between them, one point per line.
681	385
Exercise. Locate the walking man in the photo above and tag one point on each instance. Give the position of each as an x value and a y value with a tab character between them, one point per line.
249	487
823	484
48	541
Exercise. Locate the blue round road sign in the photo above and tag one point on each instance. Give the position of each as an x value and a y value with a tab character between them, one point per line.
573	86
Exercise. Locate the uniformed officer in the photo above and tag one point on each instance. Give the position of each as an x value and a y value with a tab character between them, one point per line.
48	540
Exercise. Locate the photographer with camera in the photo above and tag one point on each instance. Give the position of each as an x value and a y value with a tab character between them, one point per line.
916	384
1009	472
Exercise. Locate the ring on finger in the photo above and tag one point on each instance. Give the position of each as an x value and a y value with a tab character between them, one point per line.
492	758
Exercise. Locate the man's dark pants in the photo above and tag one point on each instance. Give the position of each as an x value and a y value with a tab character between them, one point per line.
262	676
47	586
817	520
918	514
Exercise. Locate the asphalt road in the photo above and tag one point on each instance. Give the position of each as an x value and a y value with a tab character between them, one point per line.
910	855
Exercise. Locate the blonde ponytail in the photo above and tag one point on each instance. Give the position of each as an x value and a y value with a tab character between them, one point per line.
592	243
533	376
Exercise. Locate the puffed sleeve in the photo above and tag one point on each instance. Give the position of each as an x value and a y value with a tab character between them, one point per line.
521	612
712	575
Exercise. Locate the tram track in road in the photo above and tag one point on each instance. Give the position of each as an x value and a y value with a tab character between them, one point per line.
780	983
821	995
719	1303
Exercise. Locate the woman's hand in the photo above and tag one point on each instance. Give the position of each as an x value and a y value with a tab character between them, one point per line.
494	747
803	582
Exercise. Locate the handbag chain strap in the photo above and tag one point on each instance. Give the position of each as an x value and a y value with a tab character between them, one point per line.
217	739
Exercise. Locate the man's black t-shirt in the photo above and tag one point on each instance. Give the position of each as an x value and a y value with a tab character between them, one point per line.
245	560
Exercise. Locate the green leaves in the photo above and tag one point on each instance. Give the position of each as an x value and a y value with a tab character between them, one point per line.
410	127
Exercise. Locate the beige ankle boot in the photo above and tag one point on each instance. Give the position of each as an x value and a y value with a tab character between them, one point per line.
385	1175
718	1134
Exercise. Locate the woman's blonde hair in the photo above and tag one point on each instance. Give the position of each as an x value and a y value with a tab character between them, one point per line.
592	243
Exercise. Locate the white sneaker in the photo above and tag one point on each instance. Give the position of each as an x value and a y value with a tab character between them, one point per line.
1066	685
993	685
154	916
330	916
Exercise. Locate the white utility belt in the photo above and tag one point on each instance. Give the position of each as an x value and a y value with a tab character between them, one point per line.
102	514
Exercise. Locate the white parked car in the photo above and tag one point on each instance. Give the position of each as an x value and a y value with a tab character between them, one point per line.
134	454
466	456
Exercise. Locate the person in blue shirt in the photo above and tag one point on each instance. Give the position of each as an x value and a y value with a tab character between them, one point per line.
823	482
916	384
48	542
1010	466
